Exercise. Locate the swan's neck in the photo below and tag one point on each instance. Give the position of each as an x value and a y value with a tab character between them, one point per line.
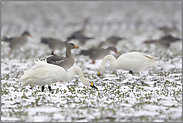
76	70
111	59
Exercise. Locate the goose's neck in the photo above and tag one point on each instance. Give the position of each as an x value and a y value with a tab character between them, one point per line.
68	52
84	25
112	60
25	37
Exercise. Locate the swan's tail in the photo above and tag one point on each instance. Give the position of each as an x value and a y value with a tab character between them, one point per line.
24	78
154	60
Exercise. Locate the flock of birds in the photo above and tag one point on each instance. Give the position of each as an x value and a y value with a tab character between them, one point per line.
54	68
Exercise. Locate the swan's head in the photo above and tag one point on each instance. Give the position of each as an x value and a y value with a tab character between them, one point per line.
92	85
89	83
100	70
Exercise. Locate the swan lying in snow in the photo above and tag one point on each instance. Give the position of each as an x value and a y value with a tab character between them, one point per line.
133	61
43	73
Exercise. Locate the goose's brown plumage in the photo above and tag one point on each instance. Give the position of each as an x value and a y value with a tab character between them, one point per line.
98	52
54	43
111	41
65	62
80	35
17	42
167	30
163	42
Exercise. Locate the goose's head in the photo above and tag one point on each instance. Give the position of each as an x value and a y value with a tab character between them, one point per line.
89	83
72	46
26	33
112	48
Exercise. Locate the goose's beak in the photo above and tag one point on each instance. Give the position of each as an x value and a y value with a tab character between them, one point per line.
30	35
117	52
98	73
93	86
76	47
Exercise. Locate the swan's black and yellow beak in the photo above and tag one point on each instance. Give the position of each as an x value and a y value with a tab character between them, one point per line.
98	73
93	86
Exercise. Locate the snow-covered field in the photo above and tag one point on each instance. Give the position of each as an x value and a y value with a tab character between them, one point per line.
153	95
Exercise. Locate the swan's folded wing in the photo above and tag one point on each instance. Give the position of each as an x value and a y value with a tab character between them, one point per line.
42	72
149	57
38	64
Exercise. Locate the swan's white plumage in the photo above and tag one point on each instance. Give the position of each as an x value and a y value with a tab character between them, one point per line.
134	61
44	73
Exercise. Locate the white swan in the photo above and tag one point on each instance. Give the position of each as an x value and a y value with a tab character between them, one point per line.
133	61
43	73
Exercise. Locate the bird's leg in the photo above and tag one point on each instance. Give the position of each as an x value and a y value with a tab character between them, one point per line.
49	87
131	72
93	62
42	88
10	51
20	50
31	87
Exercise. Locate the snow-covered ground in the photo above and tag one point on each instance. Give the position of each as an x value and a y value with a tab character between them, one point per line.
153	95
